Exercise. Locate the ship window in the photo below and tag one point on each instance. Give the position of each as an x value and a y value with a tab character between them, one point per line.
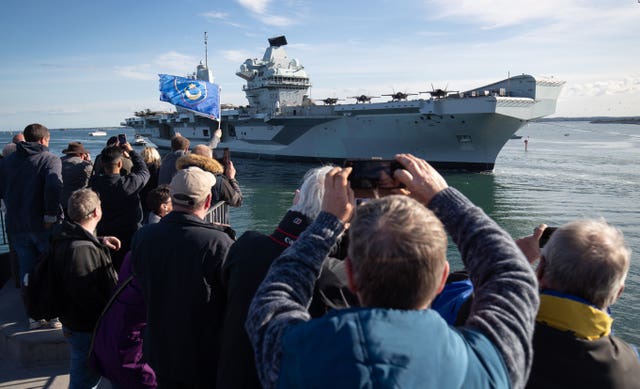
205	132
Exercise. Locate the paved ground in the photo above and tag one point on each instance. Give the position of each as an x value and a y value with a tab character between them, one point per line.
30	359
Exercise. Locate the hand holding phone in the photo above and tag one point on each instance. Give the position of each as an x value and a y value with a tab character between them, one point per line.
373	173
122	139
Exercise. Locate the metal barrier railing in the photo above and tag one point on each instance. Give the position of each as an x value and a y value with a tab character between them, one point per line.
218	214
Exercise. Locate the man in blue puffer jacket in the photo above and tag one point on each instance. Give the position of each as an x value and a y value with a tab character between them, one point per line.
397	264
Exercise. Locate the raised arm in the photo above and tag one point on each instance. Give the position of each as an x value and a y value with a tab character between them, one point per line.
506	296
284	295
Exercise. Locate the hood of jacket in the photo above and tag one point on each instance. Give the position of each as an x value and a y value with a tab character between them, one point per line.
205	163
30	148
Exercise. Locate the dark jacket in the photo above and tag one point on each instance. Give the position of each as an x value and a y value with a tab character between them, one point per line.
563	359
178	262
247	264
227	190
117	345
85	269
120	198
154	170
127	165
31	186
168	167
397	348
75	175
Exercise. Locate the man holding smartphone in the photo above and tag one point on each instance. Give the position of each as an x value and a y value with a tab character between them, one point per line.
122	211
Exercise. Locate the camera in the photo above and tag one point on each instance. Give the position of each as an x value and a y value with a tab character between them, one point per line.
546	234
122	139
224	158
371	174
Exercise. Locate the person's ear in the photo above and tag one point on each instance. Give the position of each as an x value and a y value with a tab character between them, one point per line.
207	202
443	277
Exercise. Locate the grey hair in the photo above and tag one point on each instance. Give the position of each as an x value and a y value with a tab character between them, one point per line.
398	250
588	259
203	150
81	204
311	192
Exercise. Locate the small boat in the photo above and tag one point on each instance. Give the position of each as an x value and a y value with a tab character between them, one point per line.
139	141
98	133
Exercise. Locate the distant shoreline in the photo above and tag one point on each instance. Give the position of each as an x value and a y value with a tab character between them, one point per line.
595	119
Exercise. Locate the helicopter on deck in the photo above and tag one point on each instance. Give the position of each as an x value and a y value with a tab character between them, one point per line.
363	98
398	96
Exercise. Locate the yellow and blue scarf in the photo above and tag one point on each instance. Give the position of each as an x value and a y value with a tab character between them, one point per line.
570	313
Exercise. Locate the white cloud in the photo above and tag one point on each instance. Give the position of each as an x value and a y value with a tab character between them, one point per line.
258	9
215	15
138	72
625	85
256	6
279	21
235	56
171	62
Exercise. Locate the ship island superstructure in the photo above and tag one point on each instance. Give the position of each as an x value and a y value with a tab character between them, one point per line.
455	130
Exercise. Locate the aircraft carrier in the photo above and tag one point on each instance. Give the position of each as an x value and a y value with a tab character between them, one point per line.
452	130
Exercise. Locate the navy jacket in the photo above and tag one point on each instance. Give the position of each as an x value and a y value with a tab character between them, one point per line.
31	186
178	262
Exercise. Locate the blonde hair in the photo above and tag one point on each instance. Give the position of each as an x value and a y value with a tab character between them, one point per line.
588	259
398	251
150	156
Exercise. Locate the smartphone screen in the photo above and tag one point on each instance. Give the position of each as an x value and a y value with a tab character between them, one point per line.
373	173
226	156
122	138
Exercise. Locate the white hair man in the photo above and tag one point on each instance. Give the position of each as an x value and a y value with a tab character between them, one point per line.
247	264
582	272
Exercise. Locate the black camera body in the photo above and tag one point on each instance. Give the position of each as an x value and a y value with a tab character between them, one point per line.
546	234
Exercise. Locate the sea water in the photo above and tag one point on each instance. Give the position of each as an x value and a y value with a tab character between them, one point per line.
571	170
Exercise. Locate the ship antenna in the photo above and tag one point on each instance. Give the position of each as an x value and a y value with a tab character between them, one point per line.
206	55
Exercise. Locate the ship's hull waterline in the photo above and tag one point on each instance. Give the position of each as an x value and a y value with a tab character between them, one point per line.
453	130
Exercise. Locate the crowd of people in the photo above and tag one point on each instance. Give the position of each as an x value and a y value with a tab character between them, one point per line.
340	294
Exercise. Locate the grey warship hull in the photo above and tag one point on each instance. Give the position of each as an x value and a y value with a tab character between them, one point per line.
461	130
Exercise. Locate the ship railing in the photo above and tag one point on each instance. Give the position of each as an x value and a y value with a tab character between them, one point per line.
218	214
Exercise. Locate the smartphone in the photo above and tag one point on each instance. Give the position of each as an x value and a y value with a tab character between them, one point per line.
226	156
373	173
546	234
122	139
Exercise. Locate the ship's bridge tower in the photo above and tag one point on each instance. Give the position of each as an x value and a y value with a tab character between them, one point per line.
275	81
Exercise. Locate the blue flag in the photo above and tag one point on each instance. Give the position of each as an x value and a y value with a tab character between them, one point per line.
196	95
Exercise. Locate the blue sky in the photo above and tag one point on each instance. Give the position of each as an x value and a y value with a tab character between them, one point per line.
74	63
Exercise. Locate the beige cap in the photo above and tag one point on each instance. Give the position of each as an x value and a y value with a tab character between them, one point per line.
191	185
